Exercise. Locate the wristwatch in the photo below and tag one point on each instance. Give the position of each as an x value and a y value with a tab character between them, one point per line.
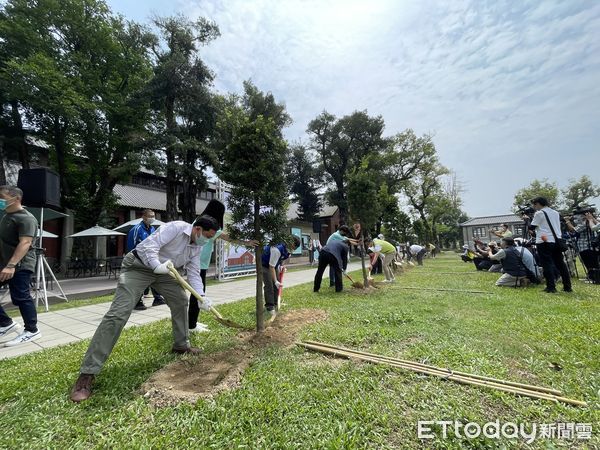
11	266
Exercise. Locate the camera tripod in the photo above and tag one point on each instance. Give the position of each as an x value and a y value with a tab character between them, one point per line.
40	279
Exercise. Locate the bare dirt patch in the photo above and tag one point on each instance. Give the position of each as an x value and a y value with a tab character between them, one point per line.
192	378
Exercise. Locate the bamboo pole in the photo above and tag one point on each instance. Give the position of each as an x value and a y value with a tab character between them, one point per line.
445	370
415	288
444	375
228	323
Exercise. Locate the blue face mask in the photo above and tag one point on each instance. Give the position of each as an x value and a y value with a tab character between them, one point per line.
201	240
3	204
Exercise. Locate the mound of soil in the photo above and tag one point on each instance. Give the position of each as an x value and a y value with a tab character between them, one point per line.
192	378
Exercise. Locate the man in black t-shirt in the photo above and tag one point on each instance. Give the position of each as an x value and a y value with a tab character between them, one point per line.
18	229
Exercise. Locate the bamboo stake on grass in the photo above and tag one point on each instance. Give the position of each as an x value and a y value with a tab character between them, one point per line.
445	370
444	375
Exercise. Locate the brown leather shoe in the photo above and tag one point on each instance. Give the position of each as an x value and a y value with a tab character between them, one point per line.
189	350
83	388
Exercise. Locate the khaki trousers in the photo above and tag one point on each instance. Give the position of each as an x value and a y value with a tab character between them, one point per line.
388	259
134	278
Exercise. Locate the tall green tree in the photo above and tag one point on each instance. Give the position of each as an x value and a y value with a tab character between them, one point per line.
363	198
537	188
579	192
77	72
181	79
342	144
304	179
253	164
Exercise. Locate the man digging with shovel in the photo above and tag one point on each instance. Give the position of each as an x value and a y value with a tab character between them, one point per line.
175	243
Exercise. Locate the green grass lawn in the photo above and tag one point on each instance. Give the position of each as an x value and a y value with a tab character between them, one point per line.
290	398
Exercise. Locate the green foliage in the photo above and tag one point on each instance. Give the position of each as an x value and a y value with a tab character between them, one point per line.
185	111
304	179
253	162
342	145
537	188
77	72
579	192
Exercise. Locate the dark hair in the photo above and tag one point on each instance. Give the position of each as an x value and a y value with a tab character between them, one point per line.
146	212
540	201
509	241
344	230
206	222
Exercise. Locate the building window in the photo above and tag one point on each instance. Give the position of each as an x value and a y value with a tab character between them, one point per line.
479	232
519	230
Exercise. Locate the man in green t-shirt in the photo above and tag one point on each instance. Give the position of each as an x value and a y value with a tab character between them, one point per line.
18	229
379	246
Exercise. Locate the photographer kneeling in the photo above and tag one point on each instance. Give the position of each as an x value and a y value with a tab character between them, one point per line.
518	264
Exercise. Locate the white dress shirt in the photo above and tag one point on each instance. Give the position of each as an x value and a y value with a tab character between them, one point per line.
415	249
172	241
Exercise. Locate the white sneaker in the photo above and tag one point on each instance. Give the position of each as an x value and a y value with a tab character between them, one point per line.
25	336
200	328
13	327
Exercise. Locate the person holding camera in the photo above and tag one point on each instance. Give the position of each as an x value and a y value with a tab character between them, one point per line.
546	223
587	240
518	264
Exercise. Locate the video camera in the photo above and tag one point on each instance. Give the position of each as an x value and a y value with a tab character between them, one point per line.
526	210
581	210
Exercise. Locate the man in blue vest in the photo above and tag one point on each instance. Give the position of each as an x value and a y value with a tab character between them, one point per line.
136	235
272	257
518	264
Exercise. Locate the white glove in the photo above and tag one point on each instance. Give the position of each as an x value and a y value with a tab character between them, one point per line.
344	273
163	269
205	304
278	284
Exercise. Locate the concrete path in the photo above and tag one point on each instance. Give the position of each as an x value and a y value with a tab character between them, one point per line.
74	324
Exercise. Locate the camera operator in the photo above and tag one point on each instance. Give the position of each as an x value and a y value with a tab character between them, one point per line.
546	223
585	223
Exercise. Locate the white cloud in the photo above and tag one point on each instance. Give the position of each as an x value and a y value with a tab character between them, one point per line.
510	89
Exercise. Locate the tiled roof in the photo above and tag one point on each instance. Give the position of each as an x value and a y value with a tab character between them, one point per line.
143	197
326	211
492	220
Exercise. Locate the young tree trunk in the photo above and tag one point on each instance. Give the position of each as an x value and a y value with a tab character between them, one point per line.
58	134
18	124
361	248
260	318
2	168
171	168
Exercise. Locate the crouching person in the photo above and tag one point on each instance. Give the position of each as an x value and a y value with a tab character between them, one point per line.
334	255
518	264
147	265
272	257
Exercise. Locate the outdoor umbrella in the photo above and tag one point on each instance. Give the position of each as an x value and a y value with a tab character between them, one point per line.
47	234
96	232
124	228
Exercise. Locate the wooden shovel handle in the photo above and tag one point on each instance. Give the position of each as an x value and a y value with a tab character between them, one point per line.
175	274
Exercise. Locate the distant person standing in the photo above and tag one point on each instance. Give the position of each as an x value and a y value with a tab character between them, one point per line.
546	223
136	235
18	229
418	252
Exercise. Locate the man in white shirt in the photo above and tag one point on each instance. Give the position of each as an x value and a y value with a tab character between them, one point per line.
147	265
418	252
546	223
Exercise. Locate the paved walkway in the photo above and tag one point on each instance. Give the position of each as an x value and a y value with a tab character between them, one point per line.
74	324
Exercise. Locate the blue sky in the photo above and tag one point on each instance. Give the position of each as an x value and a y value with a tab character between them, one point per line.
510	90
